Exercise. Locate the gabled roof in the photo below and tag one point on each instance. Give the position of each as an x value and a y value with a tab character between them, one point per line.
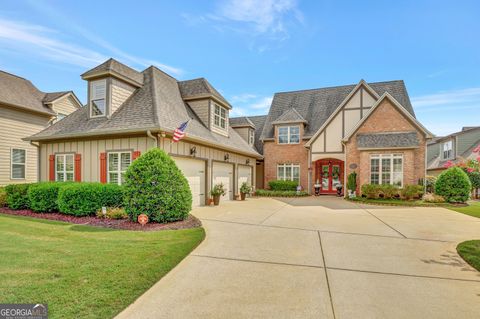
19	92
199	88
241	121
116	69
447	137
157	106
317	105
399	107
290	116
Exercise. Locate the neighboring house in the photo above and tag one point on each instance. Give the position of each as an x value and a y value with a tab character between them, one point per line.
454	147
25	110
322	135
129	112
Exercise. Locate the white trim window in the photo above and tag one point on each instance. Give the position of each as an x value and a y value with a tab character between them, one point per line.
288	172
386	169
251	136
18	160
289	134
64	167
117	165
447	150
98	93
220	117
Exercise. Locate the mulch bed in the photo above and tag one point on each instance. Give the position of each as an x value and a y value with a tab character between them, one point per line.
190	222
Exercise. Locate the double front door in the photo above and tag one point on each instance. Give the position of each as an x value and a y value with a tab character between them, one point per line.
329	175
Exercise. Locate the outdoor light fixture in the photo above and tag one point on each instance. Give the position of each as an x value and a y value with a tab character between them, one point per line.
226	157
193	150
163	134
247	161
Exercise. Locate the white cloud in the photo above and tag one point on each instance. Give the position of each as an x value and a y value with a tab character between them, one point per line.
454	97
250	104
262	104
242	98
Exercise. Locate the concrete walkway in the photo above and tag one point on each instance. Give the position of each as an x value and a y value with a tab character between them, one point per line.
320	258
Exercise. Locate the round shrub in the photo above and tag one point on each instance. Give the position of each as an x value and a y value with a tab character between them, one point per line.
155	186
454	185
84	199
17	196
43	197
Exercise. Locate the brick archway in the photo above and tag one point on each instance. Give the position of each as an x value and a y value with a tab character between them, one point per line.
329	173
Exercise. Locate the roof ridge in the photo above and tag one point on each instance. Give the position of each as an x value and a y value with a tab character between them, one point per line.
160	70
17	76
335	87
154	94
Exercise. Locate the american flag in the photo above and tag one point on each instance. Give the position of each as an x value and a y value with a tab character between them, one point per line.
179	132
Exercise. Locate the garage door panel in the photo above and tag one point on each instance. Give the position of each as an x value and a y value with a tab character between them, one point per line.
223	173
194	171
244	175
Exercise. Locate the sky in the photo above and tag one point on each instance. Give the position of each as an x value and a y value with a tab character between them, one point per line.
250	49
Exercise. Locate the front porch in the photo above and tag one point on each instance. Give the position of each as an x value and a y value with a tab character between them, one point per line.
328	174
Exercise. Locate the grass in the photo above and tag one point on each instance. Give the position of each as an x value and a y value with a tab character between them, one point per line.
83	271
473	209
400	202
470	252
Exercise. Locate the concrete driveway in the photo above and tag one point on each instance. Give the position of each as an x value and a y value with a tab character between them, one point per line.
320	258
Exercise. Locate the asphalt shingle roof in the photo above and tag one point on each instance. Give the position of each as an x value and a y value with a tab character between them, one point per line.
240	122
257	122
115	66
317	105
20	92
157	104
290	116
199	87
379	140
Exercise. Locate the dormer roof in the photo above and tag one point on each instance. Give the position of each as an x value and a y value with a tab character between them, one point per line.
290	116
241	121
112	67
200	88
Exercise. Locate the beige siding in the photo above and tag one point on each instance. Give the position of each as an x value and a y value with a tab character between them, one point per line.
65	105
354	101
201	107
120	92
351	119
214	128
319	144
334	134
15	125
243	132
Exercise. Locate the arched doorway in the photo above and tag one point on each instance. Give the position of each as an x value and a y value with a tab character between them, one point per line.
329	174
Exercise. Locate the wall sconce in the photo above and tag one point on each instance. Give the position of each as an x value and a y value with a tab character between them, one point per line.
193	150
247	161
162	134
226	157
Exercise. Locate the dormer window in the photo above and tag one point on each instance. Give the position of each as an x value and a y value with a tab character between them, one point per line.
251	136
289	134
447	150
98	93
220	117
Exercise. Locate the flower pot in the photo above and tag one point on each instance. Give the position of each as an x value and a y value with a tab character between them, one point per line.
242	196
216	200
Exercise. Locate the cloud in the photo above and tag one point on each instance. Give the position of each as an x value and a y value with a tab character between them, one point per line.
461	97
242	98
250	104
262	104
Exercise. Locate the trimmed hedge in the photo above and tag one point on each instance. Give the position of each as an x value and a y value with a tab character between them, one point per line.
454	185
387	191
271	193
278	185
155	186
17	196
84	199
43	196
3	197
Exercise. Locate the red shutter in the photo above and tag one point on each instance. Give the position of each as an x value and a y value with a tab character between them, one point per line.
103	168
78	167
51	160
136	154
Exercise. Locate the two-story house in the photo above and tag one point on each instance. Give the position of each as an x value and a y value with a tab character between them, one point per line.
25	110
129	112
319	136
455	147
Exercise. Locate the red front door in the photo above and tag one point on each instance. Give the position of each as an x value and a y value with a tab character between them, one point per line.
329	175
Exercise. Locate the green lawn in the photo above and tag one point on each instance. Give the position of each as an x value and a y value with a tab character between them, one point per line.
473	209
399	202
83	271
470	251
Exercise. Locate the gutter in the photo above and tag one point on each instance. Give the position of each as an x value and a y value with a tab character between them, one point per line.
149	134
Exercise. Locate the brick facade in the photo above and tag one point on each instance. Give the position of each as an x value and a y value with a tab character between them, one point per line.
413	159
275	154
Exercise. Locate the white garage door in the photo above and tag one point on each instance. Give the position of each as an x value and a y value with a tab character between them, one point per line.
244	176
223	173
194	171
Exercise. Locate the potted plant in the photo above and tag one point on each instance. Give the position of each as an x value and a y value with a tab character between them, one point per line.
352	184
244	190
216	192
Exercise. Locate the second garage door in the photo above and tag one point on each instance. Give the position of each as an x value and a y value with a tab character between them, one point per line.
194	171
244	175
223	173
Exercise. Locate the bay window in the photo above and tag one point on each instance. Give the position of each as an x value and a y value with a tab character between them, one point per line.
64	167
289	134
117	165
386	169
288	172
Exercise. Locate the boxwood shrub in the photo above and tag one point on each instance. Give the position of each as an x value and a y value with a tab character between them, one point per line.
43	197
155	186
272	193
278	185
84	199
3	197
454	185
17	196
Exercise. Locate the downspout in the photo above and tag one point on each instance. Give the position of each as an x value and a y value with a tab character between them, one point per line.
38	159
149	134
